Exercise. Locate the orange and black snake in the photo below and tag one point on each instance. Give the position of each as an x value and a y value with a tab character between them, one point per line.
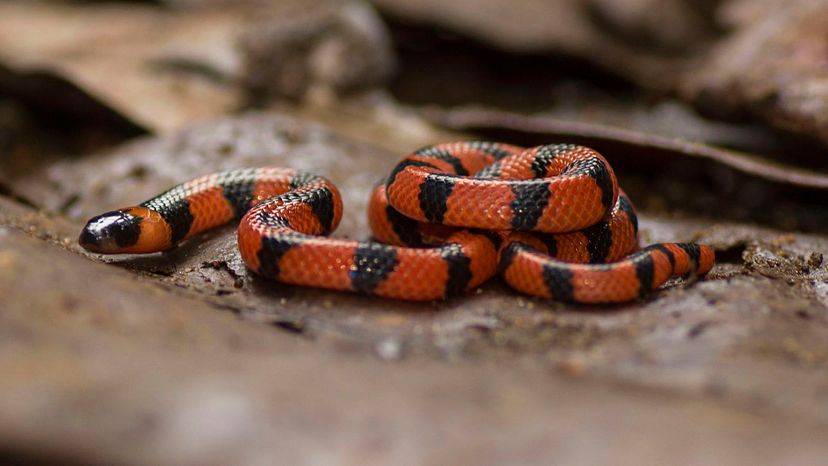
550	220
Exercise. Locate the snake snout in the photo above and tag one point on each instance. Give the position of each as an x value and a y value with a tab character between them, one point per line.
111	232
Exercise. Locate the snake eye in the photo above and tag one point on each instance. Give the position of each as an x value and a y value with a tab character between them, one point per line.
111	233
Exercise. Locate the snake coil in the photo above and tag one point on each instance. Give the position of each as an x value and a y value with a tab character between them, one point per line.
551	220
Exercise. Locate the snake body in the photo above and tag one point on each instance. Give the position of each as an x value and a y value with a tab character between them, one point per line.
551	220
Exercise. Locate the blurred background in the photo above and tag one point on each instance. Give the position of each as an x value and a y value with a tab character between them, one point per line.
714	113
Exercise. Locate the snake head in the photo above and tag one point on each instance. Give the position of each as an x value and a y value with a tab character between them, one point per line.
125	231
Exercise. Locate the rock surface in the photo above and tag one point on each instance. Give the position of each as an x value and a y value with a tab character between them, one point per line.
189	359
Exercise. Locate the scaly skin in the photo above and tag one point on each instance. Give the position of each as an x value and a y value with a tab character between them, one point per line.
453	213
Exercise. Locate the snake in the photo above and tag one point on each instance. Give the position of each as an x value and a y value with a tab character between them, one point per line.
551	220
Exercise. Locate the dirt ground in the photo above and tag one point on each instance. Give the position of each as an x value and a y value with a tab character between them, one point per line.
187	358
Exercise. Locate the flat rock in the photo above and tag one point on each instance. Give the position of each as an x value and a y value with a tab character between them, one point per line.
725	347
108	367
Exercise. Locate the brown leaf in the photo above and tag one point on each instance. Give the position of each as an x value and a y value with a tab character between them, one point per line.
772	67
656	170
164	68
608	34
633	142
123	56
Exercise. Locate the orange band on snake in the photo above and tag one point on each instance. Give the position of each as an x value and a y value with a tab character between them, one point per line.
454	214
